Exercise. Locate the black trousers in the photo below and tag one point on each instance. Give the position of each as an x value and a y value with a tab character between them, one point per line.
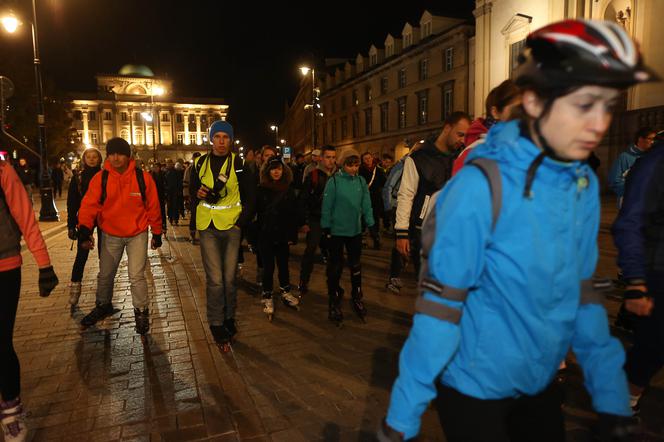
524	419
174	206
10	370
271	252
335	264
313	240
82	258
646	357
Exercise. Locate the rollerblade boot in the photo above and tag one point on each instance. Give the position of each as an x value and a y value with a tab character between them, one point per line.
288	299
394	285
268	305
334	312
142	318
74	293
357	304
221	337
98	313
12	421
231	328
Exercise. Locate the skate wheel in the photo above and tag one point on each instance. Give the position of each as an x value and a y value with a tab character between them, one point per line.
225	347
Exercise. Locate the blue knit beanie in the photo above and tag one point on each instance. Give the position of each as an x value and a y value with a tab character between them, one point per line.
221	126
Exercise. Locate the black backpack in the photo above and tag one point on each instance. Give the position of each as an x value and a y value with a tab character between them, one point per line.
104	181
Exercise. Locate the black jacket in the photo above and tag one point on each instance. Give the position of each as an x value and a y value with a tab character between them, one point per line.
311	195
78	185
375	179
279	216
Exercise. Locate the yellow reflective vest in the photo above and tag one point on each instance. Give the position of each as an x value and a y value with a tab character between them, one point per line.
225	212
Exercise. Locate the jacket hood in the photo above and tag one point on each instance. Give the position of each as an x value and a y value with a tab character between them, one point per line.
476	129
505	144
284	182
130	167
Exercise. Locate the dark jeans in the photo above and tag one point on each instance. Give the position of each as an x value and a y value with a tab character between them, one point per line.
192	219
10	370
335	264
57	188
271	252
174	207
162	205
524	419
82	258
313	240
398	262
646	357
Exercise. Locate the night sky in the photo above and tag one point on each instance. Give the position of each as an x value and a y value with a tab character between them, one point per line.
247	53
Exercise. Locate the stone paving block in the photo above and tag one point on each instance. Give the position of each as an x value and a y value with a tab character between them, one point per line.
187	434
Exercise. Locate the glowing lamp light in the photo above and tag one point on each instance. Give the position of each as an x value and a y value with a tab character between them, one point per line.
147	116
305	70
158	90
10	23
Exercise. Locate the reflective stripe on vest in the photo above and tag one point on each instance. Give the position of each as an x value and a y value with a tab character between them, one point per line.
225	212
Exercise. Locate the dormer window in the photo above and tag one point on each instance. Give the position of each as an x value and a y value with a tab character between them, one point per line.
389	50
373	59
407	40
426	29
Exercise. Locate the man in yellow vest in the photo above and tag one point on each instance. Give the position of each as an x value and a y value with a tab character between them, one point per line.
226	196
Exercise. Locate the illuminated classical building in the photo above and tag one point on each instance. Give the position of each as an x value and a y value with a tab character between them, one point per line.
142	109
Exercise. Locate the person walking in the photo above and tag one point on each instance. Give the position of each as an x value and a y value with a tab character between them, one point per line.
375	178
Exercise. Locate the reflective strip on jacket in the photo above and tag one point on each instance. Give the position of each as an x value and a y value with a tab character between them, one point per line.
226	211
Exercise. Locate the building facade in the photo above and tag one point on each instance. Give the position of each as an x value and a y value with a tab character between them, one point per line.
142	109
503	25
393	96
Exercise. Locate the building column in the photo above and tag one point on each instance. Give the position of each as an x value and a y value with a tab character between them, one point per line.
186	128
174	140
131	126
86	132
482	53
198	130
157	131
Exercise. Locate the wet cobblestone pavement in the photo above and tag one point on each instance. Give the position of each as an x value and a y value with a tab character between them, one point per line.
299	378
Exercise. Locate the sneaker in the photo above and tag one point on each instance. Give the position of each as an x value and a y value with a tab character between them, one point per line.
230	326
98	313
142	318
12	421
74	292
268	306
288	298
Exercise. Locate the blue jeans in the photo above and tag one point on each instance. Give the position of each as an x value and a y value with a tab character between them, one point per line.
112	248
219	251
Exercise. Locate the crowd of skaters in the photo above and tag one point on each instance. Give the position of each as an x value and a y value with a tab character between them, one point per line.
451	204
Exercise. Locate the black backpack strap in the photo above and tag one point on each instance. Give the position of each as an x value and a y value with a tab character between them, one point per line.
141	183
104	182
492	173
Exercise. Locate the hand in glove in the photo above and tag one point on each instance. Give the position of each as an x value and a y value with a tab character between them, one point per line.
47	281
72	234
613	428
156	241
85	238
387	434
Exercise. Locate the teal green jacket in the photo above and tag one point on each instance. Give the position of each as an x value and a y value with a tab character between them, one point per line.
346	201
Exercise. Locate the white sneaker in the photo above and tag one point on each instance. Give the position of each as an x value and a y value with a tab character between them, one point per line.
289	299
74	292
268	306
13	422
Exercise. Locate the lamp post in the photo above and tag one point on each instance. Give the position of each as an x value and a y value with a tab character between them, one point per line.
154	90
48	212
148	117
314	105
274	128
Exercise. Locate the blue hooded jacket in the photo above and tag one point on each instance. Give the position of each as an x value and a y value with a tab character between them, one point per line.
523	310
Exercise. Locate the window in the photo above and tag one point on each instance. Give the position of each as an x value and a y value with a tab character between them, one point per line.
204	120
92	116
368	121
389	51
449	59
384	117
108	116
342	102
344	127
373	59
192	138
423	107
448	99
180	138
367	93
78	115
165	117
356	100
426	30
407	40
402	78
333	135
137	117
124	133
123	116
383	85
401	105
424	69
356	124
178	118
138	136
93	138
515	50
192	118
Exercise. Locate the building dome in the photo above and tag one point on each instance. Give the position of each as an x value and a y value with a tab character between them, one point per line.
136	70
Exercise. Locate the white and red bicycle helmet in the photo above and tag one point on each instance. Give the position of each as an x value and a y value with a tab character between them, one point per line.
581	52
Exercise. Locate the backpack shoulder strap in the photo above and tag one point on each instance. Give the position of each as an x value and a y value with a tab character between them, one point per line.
491	171
104	182
141	183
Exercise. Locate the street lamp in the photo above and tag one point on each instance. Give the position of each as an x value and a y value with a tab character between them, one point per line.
149	117
274	128
314	105
48	212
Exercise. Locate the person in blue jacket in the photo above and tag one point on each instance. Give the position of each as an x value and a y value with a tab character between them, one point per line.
638	233
503	303
643	140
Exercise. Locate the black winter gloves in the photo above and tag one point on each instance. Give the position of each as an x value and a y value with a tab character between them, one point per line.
72	233
47	281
